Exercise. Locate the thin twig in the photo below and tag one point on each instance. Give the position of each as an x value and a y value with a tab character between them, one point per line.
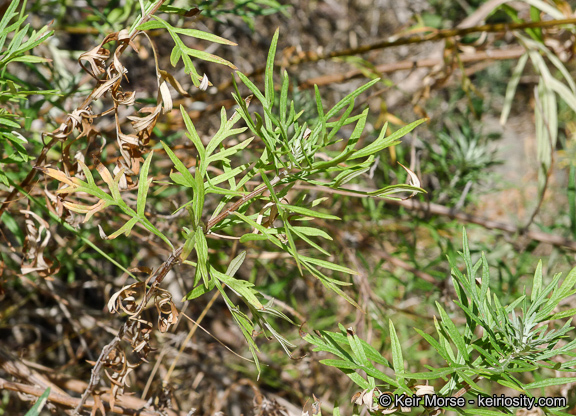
494	55
437	209
95	374
212	222
68	401
306	57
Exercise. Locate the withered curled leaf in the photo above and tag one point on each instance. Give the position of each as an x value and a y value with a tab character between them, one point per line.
127	299
167	312
34	246
414	180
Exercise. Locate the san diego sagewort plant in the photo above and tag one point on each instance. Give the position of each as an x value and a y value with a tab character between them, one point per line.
292	151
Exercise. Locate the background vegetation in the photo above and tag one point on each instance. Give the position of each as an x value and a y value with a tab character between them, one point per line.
277	307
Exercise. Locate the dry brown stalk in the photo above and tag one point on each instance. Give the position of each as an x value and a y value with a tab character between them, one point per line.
16	368
434	36
212	222
120	407
306	57
491	55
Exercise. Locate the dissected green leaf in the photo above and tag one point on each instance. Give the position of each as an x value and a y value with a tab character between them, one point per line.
242	288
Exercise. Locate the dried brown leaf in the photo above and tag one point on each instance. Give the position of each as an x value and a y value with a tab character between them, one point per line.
96	57
127	299
174	82
34	246
414	180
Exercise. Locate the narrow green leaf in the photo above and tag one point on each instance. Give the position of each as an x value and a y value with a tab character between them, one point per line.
453	333
189	244
253	237
435	344
252	88
313	232
337	125
198	34
150	227
242	288
208	57
245	324
566	287
309	212
537	282
357	350
284	97
332	285
397	359
41	402
357	378
387	191
328	265
175	56
229	175
344	101
199	291
30	59
235	264
339	364
431	375
260	228
309	241
230	151
383	143
9	123
125	229
193	136
143	185
373	354
186	175
511	88
269	79
8	15
226	129
198	198
549	382
562	315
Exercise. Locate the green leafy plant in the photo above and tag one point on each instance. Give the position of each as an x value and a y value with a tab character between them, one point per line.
209	211
291	153
522	337
461	159
16	41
